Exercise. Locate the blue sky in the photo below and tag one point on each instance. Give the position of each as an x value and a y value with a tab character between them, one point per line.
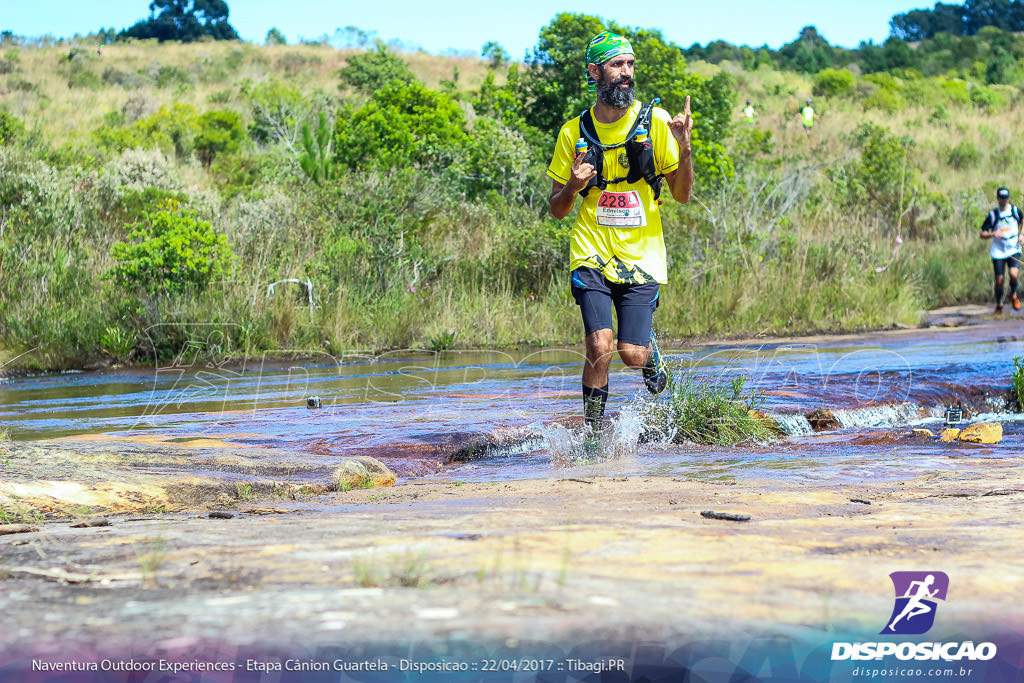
465	26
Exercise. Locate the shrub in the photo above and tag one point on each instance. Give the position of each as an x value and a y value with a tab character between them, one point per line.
10	128
236	173
219	132
402	124
964	155
495	158
956	90
293	62
833	82
883	80
885	100
114	76
278	111
987	98
171	252
172	129
138	169
711	163
883	178
368	71
1018	383
167	76
315	159
84	78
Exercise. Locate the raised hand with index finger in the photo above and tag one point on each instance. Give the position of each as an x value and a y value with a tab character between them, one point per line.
681	126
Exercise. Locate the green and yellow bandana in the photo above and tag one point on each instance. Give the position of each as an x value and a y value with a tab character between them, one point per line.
603	47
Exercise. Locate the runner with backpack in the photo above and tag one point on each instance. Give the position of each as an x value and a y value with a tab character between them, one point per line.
1003	226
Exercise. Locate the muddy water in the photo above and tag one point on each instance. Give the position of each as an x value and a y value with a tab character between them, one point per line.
414	411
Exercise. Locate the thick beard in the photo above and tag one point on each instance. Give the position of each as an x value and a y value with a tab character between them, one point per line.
615	97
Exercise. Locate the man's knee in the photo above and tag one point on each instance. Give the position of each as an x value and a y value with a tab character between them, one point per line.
999	280
600	346
634	356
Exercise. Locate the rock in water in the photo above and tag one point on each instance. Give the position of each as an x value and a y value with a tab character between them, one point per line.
983	432
363	472
949	434
822	420
927	433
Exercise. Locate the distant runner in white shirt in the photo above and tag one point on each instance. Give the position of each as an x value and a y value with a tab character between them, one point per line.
1002	226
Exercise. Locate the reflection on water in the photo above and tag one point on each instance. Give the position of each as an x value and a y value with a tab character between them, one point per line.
415	410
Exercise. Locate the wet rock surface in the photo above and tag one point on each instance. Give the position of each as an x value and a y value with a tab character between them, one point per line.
60	476
544	559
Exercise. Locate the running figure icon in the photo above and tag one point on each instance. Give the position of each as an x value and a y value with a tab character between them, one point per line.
915	606
917	594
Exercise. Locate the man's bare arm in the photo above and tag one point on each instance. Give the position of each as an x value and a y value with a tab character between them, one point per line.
564	196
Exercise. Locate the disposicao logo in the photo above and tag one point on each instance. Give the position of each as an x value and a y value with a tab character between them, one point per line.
917	596
916	601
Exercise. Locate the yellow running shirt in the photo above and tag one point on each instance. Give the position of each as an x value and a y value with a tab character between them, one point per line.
635	253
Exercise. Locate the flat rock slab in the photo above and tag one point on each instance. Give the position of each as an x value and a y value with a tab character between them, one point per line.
121	476
544	560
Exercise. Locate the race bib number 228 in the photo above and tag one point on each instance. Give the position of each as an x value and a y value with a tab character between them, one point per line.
620	210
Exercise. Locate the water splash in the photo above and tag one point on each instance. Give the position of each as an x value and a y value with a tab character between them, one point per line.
792	424
889	415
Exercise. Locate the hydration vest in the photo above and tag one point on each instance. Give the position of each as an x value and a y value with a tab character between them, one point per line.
640	155
994	216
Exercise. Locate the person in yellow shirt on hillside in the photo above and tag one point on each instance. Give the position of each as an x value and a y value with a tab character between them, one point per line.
748	113
617	155
807	117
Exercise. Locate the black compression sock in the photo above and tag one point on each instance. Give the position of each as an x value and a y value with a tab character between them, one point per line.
999	296
1013	288
594	400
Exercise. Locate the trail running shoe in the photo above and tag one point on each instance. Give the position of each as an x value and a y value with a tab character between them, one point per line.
1016	302
655	373
999	310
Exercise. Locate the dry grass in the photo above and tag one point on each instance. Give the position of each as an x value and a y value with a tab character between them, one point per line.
66	114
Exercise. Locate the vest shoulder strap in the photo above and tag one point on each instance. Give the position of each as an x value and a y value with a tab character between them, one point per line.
588	131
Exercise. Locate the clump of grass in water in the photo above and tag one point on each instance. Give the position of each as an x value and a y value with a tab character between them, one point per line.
715	413
1018	383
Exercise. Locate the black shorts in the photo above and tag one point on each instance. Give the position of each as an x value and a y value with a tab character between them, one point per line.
634	305
1000	264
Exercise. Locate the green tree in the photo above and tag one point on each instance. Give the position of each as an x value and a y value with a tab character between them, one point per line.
809	53
555	83
495	54
1000	67
184	20
370	71
554	88
275	37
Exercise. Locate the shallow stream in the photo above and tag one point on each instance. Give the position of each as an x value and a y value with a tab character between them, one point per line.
417	412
